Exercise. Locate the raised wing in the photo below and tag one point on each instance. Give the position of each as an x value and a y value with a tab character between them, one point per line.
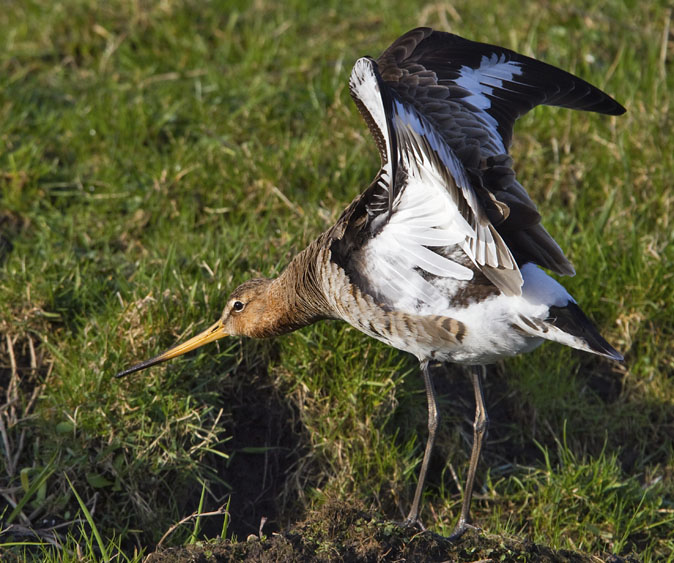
441	110
477	90
472	93
432	207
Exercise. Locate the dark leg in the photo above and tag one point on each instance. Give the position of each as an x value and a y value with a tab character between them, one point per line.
433	419
479	430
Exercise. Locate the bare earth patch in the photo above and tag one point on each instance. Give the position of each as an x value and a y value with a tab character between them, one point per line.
341	532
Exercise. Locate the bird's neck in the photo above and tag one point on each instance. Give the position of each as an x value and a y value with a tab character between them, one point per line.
297	295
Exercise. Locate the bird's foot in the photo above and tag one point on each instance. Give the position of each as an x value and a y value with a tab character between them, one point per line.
461	528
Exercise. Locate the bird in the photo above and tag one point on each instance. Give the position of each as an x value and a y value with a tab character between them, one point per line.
444	254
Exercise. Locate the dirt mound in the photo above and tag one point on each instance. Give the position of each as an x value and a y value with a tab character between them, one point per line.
339	532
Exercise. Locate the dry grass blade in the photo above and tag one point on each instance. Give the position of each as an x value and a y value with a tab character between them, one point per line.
219	512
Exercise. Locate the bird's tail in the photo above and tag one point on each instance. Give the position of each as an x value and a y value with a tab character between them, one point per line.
571	326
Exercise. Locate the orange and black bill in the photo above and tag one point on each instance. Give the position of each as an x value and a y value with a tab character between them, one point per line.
215	332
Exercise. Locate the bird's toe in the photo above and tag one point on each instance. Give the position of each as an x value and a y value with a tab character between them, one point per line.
461	528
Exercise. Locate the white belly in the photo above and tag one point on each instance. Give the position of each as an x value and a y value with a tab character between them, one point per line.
497	327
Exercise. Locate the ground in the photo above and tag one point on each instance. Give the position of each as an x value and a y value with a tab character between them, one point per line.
157	153
340	532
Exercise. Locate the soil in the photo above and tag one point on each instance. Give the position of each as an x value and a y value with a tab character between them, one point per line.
340	532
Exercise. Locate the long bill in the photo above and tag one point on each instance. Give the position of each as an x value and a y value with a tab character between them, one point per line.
215	332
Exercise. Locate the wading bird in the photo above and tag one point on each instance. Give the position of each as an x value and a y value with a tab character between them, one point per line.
440	256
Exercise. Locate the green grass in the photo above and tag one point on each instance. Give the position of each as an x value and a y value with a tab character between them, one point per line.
156	154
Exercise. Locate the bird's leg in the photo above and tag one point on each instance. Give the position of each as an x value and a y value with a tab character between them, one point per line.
479	430
433	420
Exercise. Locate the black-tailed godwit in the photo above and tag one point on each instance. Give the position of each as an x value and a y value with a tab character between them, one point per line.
441	255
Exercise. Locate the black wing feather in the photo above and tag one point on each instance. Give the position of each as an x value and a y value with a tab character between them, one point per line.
445	54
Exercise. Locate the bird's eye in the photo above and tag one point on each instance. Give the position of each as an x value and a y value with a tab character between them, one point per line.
238	306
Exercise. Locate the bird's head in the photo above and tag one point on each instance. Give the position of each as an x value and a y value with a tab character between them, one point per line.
250	311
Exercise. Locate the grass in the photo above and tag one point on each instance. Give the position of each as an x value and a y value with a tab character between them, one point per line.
156	154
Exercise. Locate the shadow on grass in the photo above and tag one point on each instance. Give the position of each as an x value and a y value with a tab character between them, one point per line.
259	477
268	442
